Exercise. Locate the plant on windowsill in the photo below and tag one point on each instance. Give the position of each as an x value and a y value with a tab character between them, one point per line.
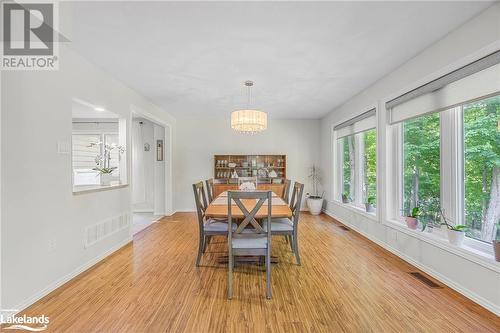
370	204
496	243
346	198
411	219
315	201
456	233
103	161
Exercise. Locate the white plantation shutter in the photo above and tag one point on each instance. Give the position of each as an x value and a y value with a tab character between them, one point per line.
83	154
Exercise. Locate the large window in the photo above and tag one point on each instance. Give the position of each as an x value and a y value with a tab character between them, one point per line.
481	167
421	165
356	158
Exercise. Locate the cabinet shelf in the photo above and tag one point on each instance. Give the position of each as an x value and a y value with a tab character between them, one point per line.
256	166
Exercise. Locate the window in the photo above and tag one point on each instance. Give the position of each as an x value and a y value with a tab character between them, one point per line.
446	150
421	165
481	167
356	158
370	166
348	169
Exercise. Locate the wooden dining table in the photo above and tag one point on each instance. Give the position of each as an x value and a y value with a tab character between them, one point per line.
218	208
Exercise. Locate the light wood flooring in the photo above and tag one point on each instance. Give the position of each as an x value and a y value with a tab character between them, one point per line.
345	284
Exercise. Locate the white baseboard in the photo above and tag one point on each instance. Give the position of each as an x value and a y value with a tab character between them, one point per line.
438	276
58	283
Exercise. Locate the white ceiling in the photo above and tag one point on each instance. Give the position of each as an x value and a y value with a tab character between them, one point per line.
191	58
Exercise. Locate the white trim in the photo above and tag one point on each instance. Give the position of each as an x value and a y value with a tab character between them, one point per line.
59	282
356	209
450	283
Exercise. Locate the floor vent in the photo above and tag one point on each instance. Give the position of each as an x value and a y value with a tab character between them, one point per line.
425	279
106	228
343	227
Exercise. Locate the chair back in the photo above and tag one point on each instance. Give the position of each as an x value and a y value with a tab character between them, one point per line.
210	189
249	216
252	180
295	202
286	191
201	203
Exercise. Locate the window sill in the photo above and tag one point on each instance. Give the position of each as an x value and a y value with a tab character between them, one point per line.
81	189
483	258
358	210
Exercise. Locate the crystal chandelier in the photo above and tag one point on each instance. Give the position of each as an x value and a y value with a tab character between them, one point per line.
249	120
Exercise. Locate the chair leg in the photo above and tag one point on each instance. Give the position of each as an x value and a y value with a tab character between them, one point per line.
287	240
290	241
206	240
200	250
268	276
296	247
230	277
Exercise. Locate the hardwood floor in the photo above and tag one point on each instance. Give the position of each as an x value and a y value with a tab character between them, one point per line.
346	283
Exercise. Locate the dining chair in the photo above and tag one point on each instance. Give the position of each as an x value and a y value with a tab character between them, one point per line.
287	227
252	180
249	238
210	189
207	227
286	190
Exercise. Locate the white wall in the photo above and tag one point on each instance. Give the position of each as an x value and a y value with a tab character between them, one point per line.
43	223
469	274
198	139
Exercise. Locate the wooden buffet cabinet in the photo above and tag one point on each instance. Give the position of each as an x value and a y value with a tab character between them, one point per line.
270	171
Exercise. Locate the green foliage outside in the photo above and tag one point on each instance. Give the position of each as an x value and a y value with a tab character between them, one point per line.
346	168
482	155
421	178
370	182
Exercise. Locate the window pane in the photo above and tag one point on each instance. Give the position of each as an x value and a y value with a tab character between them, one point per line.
421	173
370	166
84	153
482	167
348	179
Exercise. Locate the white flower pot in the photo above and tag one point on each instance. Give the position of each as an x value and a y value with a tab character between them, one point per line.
369	208
315	205
106	179
456	237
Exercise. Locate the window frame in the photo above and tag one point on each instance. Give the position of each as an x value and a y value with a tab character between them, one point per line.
452	158
338	172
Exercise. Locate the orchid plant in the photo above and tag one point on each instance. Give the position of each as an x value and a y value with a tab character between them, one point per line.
103	161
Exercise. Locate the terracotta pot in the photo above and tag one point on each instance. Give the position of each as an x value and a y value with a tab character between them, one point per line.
411	222
456	237
496	249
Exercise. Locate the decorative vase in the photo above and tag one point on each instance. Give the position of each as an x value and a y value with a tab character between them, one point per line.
106	179
369	208
496	249
411	222
456	237
315	205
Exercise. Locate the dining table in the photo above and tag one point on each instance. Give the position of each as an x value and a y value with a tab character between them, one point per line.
218	208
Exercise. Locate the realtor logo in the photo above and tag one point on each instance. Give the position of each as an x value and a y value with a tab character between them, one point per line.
29	36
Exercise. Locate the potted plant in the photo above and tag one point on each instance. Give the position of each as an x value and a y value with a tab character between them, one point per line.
496	243
103	161
315	201
346	198
370	204
456	233
412	218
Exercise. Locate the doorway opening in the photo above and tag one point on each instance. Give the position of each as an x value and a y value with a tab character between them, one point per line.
148	173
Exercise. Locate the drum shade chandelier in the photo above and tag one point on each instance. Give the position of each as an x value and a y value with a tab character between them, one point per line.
249	120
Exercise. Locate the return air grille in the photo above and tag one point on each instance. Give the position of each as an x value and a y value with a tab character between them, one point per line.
425	279
343	227
97	232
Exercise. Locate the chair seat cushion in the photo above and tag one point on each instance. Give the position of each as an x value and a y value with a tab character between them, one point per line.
250	243
217	225
282	224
